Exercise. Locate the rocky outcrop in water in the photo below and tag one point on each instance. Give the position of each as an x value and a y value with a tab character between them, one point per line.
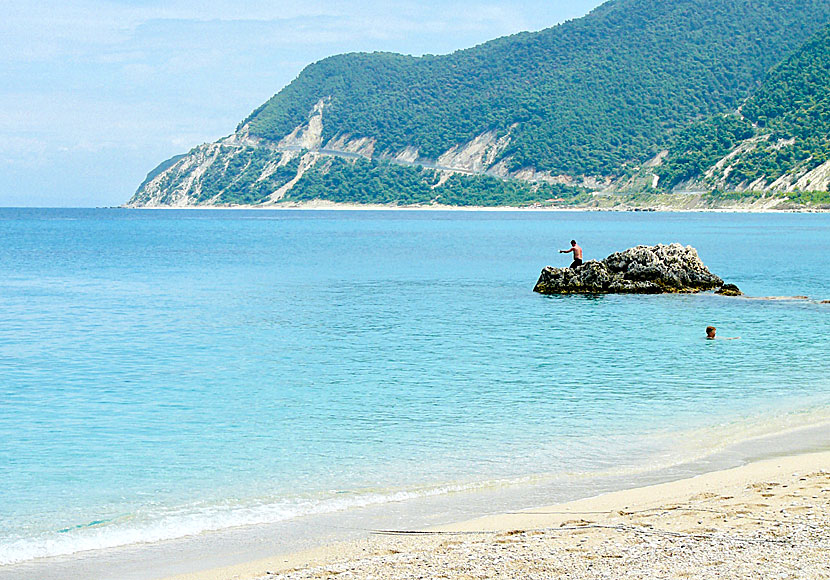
640	270
729	290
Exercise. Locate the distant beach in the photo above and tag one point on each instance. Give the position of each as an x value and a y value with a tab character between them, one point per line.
331	205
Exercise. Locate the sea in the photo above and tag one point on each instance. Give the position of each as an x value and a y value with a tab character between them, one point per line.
179	388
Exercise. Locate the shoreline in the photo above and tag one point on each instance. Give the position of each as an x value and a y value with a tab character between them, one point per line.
321	205
774	503
247	552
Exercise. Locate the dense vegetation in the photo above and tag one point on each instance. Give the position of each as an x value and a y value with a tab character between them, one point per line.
810	199
791	199
696	148
793	106
585	97
791	117
380	182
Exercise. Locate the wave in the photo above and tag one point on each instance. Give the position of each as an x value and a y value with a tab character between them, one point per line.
670	450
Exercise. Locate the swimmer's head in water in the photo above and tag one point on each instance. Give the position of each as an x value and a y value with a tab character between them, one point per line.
710	332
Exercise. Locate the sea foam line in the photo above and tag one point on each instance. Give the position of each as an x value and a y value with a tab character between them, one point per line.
184	521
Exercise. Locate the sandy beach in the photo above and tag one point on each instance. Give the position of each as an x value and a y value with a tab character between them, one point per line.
767	519
320	204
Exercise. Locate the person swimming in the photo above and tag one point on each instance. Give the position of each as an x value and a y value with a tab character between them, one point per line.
710	334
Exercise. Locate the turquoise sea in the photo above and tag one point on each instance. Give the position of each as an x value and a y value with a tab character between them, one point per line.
169	373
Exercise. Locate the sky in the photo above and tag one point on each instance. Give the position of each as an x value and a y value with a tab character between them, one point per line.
95	93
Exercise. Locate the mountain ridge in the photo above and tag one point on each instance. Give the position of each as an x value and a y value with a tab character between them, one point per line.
623	116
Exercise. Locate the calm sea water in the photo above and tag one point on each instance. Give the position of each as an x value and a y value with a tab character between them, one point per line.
163	373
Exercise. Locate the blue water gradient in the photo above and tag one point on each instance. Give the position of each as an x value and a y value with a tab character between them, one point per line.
168	372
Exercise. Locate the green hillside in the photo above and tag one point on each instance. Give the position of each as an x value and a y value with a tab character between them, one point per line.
386	183
585	97
787	123
735	91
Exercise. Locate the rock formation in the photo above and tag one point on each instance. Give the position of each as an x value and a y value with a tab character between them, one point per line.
640	270
729	290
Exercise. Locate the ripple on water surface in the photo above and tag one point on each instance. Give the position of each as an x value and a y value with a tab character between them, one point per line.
163	373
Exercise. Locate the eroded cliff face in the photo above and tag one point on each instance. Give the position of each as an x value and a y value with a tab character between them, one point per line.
721	175
271	169
802	177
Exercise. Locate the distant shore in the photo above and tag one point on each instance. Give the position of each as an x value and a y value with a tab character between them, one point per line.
767	519
330	205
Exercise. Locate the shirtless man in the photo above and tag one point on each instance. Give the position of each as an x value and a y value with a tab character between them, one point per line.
577	254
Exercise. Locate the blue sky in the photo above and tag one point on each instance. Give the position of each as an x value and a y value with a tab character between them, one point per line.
95	93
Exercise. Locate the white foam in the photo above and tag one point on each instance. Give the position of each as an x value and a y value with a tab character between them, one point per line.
180	522
171	523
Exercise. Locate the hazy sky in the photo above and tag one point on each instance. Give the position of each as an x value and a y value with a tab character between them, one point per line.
95	93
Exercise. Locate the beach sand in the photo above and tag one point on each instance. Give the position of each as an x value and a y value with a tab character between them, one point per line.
321	204
768	519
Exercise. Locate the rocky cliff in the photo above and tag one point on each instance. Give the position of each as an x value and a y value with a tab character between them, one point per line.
245	169
639	270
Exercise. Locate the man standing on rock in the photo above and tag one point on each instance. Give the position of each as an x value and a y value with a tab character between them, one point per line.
577	254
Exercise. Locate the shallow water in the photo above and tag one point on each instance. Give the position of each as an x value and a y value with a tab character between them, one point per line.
168	372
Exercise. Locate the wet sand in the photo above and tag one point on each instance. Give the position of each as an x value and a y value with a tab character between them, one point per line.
769	519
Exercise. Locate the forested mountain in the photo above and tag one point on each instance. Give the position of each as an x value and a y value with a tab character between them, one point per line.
779	139
586	102
587	96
